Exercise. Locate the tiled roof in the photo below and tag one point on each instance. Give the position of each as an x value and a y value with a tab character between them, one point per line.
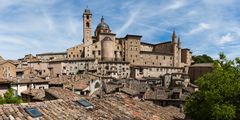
52	53
58	80
23	80
29	80
137	86
129	91
60	93
202	65
38	94
6	61
159	94
112	87
114	106
79	85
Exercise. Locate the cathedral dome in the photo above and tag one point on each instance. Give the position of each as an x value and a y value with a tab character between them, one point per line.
103	25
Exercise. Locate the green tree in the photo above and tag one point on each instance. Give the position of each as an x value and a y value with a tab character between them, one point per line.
9	97
219	94
202	59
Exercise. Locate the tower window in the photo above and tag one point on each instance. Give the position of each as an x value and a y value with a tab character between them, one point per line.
87	17
87	24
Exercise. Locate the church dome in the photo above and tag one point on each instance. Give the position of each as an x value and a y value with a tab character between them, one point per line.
103	25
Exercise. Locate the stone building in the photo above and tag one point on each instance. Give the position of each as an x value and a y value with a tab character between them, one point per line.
51	56
105	54
7	69
199	69
108	50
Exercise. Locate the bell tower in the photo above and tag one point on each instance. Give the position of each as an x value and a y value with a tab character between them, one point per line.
87	27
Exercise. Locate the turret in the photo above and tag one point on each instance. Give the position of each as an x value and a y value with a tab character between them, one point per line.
179	42
174	37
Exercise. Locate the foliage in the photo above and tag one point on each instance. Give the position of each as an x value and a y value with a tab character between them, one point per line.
202	59
9	97
219	94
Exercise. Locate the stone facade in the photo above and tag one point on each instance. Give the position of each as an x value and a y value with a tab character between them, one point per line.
105	47
52	56
199	69
7	69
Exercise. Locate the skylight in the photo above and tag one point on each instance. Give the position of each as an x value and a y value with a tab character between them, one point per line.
85	104
33	112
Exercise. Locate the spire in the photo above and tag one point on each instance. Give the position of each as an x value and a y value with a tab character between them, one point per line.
174	36
102	20
179	41
87	10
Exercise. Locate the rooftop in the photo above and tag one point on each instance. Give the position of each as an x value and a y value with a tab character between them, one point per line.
114	106
52	53
202	65
38	94
60	93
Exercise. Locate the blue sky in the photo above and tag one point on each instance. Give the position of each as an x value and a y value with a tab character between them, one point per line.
38	26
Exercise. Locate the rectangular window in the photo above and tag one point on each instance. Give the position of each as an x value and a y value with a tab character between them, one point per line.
99	52
33	112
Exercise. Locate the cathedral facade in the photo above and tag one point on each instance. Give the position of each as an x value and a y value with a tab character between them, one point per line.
128	56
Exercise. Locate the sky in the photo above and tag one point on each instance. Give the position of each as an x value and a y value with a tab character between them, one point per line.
40	26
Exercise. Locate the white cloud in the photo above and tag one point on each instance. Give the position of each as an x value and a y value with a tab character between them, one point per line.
192	13
129	21
175	5
58	26
48	21
201	27
226	38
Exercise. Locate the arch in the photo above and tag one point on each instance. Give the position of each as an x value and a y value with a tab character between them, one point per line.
87	24
97	85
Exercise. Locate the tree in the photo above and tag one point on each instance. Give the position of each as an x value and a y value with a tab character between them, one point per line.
202	59
219	94
9	97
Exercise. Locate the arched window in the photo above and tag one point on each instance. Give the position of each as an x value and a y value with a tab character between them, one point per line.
97	85
87	17
87	24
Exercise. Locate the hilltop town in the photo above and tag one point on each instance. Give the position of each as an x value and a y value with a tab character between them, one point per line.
105	77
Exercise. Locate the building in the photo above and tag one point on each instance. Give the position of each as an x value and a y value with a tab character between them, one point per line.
111	53
199	69
1	58
7	69
109	56
51	56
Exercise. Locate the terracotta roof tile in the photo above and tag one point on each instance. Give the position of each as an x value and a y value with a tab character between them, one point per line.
60	93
